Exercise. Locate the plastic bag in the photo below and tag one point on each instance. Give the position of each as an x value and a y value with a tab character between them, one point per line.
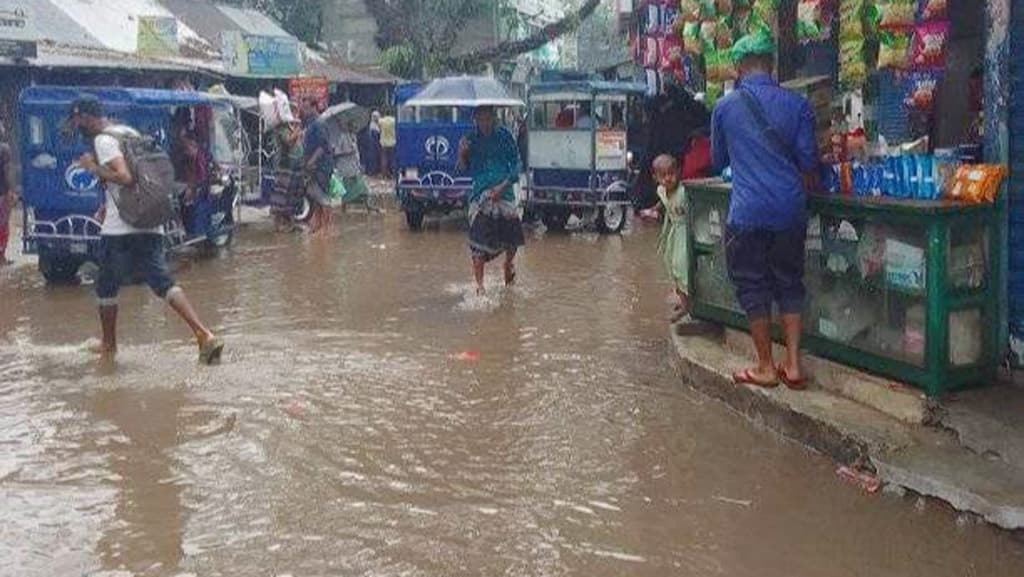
930	45
335	191
921	89
932	10
978	183
894	50
275	109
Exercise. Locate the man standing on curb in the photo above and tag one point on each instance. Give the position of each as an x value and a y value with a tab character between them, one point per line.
766	134
127	251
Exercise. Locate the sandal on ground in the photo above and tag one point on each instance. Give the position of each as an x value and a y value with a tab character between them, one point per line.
210	351
793	384
746	377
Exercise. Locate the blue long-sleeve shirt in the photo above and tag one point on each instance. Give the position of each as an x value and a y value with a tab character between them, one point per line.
767	188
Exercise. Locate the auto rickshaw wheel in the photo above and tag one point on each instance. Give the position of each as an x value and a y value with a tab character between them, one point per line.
414	218
611	218
555	218
303	211
59	269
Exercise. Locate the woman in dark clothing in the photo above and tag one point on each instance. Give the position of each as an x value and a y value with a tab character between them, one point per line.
672	117
492	159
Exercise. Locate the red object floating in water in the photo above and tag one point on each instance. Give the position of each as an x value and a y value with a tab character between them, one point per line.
467	356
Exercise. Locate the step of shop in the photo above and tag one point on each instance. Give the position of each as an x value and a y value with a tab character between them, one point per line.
988	421
897	400
925	460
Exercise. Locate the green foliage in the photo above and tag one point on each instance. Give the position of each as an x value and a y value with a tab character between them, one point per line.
401	60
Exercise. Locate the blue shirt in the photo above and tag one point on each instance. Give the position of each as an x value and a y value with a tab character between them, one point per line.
767	189
492	160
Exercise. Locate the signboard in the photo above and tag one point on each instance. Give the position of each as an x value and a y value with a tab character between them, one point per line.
158	36
265	56
303	89
611	144
17	34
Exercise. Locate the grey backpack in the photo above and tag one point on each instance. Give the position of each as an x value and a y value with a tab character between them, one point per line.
149	202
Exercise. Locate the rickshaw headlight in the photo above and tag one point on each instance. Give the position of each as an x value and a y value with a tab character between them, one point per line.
629	158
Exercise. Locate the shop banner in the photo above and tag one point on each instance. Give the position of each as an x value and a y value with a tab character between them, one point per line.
263	56
158	36
17	29
303	89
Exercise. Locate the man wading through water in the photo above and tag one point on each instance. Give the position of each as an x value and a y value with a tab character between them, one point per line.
128	252
766	134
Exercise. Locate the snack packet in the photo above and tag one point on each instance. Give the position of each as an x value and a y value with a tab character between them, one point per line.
689	10
930	45
692	42
813	23
723	7
928	10
978	183
853	70
922	85
707	8
671	53
894	50
887	14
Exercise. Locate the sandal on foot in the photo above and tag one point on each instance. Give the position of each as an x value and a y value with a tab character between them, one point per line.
746	377
792	384
210	351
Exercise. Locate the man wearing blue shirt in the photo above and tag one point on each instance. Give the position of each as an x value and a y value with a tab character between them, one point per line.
765	133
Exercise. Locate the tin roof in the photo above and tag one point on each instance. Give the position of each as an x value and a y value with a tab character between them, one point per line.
115	23
47	24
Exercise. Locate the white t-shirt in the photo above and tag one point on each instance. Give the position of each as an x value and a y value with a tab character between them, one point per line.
108	149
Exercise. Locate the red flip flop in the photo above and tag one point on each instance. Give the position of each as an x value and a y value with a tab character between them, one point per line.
747	378
792	384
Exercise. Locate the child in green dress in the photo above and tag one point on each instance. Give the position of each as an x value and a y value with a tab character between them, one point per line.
673	243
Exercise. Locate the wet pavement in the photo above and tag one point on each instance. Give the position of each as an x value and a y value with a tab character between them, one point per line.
373	417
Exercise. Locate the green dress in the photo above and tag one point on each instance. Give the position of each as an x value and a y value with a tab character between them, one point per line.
674	241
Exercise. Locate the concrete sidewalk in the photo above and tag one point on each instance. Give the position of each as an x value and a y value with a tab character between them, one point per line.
966	450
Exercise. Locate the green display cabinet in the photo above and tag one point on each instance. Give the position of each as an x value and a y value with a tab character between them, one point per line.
902	289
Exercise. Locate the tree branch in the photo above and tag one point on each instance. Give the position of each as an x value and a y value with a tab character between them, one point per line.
513	48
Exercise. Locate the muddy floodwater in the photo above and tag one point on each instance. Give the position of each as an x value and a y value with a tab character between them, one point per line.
373	417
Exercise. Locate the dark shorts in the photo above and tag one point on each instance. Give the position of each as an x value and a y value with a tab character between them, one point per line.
767	267
129	258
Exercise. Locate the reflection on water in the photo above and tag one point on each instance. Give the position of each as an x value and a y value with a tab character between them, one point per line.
373	416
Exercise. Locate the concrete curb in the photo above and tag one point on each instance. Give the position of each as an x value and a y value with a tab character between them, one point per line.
925	461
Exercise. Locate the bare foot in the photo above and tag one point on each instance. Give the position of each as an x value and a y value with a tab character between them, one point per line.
757	378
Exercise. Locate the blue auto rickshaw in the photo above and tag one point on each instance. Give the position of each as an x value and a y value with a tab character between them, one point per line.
578	155
426	155
61	199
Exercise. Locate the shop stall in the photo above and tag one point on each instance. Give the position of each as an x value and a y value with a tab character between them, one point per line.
906	251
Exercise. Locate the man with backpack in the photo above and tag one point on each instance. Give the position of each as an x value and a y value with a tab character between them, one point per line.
137	178
766	134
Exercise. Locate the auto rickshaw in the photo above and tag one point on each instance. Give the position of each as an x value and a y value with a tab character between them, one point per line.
578	159
61	199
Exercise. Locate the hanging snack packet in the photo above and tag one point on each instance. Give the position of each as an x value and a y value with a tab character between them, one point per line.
762	17
689	10
707	8
851	20
813	21
652	52
671	53
692	42
708	33
723	34
653	24
922	85
930	45
714	92
893	13
723	7
929	10
894	50
853	70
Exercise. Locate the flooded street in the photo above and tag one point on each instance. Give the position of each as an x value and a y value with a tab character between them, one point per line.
372	417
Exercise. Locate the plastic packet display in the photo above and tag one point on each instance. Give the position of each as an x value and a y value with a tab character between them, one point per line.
932	10
894	50
763	15
851	20
671	53
853	70
922	86
689	10
930	45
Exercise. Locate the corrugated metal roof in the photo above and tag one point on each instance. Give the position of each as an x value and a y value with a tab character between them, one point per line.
50	56
203	17
48	24
253	21
115	22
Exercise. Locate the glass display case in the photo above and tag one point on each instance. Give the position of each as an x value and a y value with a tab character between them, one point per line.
903	289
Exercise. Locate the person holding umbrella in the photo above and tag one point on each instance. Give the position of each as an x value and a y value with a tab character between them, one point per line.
491	157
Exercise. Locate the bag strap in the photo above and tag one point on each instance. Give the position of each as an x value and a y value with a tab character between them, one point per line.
755	109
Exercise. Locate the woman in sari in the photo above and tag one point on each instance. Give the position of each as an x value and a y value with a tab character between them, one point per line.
288	183
491	157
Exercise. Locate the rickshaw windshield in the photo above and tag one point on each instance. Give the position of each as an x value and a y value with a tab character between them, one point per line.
226	138
579	114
